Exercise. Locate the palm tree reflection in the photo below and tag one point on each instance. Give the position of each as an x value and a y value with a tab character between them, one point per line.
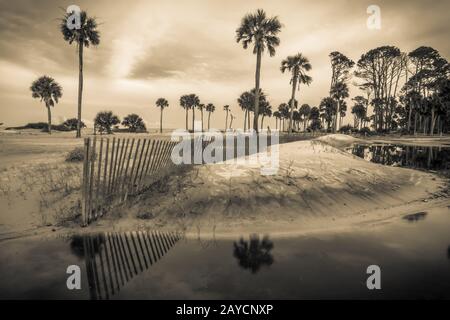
254	253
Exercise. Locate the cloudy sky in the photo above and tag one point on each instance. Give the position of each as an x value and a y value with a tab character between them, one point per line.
151	49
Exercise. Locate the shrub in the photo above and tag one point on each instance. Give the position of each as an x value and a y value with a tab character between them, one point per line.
346	129
134	123
76	155
365	131
105	120
72	124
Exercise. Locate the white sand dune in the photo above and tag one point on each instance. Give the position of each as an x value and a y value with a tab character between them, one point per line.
317	186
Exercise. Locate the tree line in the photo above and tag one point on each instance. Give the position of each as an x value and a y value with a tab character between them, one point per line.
399	90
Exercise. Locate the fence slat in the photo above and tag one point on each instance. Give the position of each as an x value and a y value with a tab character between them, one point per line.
91	177
138	168
105	172
85	181
99	173
111	166
129	184
145	164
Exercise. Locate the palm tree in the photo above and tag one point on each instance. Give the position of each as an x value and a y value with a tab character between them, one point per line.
200	107
298	65
277	116
194	101
266	111
226	108
84	36
304	111
284	111
339	92
184	103
232	118
49	91
262	32
210	108
245	101
161	103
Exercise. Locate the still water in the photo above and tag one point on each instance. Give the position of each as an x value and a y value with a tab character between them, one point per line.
420	157
413	253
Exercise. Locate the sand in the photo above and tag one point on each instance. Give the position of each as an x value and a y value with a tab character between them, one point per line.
317	187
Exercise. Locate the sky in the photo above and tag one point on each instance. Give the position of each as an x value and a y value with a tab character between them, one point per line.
151	49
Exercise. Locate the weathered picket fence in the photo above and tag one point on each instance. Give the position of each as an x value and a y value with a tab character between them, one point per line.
117	168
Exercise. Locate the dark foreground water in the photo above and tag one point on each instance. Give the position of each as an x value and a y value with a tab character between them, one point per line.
413	253
420	157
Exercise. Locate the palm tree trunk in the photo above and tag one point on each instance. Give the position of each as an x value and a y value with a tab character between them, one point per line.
187	119
336	117
257	78
415	123
292	104
262	122
193	118
248	120
409	117
160	121
209	117
80	86
226	121
245	120
49	114
433	121
201	114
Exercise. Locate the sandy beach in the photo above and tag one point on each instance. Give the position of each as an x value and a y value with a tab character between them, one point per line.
318	187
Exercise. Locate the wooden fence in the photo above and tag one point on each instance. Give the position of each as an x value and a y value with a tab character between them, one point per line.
116	168
115	258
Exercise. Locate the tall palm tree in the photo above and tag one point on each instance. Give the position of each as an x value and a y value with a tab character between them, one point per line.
85	36
184	103
201	107
298	65
49	91
210	108
339	92
262	32
226	108
194	102
161	103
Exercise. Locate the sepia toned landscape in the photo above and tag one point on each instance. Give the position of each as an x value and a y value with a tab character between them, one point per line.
330	148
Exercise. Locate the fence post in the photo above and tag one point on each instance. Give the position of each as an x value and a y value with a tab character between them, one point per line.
84	184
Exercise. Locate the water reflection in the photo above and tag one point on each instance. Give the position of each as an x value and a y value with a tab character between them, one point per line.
254	253
432	158
113	259
414	217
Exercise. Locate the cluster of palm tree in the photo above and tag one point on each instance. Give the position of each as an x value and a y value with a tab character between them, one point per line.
422	103
303	119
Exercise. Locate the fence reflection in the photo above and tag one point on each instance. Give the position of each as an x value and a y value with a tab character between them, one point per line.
114	258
